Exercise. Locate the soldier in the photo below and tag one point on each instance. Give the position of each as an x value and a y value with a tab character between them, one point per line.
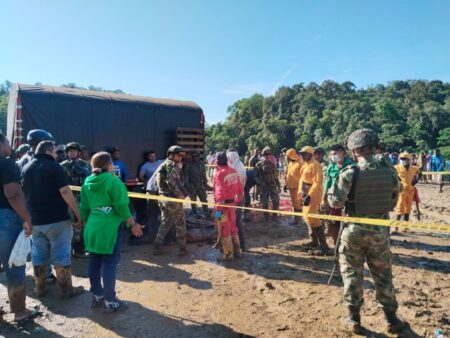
196	182
22	150
76	171
370	190
33	138
168	179
75	168
266	178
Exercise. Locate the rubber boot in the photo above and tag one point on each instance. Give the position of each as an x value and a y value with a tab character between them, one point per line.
237	252
323	246
17	295
182	251
296	219
314	243
194	209
353	321
395	325
64	278
441	187
40	272
157	249
227	247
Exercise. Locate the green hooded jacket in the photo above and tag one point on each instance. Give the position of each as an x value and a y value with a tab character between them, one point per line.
103	206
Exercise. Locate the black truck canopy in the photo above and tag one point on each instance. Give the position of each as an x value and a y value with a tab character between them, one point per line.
100	120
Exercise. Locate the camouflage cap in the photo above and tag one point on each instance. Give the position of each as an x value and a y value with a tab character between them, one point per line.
73	146
175	150
267	151
23	148
362	137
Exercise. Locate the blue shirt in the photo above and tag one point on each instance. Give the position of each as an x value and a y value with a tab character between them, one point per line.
149	168
437	163
120	170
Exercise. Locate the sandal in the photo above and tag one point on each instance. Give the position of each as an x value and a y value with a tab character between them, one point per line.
28	314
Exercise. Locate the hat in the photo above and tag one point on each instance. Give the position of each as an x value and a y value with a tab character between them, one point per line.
292	154
405	155
307	149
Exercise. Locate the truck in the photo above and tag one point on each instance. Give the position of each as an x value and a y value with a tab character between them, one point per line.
102	120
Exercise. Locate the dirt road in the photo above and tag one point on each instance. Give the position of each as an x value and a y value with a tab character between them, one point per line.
275	291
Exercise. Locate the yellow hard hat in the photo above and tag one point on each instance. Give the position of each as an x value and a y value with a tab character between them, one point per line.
292	154
405	155
307	149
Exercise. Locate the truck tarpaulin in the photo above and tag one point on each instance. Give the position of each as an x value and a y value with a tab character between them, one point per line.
100	120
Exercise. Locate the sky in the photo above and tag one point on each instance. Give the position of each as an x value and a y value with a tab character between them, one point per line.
217	52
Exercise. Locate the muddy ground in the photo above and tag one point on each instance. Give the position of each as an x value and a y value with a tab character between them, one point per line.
275	291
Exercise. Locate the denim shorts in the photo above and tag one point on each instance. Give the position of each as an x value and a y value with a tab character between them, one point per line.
52	243
10	228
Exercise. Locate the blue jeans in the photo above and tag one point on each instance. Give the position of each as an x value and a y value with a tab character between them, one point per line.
10	228
105	266
52	243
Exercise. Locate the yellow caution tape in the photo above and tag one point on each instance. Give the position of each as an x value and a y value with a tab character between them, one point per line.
347	219
435	172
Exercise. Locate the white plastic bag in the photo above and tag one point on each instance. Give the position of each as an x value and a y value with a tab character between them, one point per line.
20	251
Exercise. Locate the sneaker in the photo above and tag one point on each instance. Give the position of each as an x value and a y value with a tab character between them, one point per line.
97	301
115	306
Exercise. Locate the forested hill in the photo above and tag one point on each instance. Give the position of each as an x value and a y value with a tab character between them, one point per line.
413	115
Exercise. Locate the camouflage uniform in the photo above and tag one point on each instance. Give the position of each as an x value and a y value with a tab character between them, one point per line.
360	242
196	182
267	179
76	173
168	178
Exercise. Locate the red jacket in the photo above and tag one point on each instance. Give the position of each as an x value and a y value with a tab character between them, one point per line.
227	184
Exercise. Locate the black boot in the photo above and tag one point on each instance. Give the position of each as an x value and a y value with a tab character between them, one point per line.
194	209
323	249
406	217
314	243
353	321
296	219
395	325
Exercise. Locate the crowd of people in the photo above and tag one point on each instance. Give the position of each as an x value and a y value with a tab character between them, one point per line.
359	180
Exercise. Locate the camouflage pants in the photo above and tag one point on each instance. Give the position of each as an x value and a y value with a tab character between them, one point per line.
271	193
78	238
172	215
199	192
361	243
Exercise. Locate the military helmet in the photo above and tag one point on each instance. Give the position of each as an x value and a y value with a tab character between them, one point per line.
23	148
283	150
36	136
267	151
175	150
362	137
73	146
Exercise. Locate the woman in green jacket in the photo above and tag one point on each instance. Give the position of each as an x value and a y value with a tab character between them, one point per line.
104	207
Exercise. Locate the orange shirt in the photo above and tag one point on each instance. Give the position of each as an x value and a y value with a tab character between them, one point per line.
293	174
407	176
311	173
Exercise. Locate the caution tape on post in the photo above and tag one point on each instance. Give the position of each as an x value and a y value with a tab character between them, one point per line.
347	219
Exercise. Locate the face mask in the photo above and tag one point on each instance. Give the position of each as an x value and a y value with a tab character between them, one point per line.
335	158
404	163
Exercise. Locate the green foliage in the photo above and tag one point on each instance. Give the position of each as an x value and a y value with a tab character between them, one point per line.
413	115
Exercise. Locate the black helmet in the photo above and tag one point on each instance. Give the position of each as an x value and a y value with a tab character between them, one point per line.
175	150
23	148
362	137
36	136
73	146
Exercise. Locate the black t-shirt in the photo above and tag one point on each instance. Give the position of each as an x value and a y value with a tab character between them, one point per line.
9	173
42	179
